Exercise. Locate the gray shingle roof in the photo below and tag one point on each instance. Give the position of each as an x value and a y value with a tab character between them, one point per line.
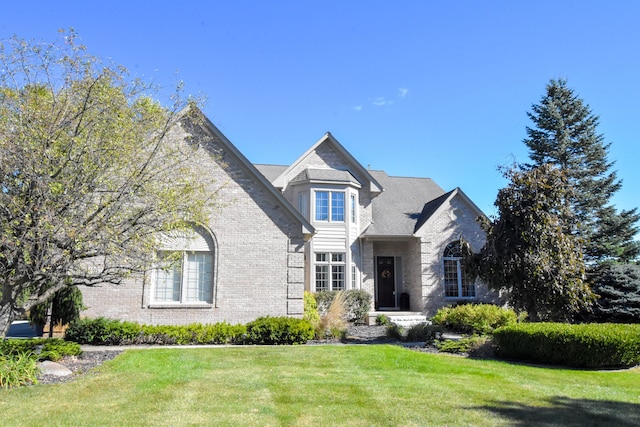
326	175
402	204
271	172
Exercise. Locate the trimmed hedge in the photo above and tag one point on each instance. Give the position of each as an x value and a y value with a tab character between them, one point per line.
475	318
103	331
604	345
279	331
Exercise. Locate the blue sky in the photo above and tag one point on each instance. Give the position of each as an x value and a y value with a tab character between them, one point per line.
435	89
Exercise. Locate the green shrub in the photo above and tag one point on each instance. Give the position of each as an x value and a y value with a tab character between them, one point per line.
357	303
196	333
42	348
475	318
18	369
311	314
382	320
103	331
618	288
463	345
422	332
396	332
593	345
279	331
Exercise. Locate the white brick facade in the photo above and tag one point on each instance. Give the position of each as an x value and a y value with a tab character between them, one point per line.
265	248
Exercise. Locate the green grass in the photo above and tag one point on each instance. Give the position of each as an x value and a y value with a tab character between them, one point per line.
325	385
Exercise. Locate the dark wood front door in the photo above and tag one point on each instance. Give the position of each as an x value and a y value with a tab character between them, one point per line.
386	282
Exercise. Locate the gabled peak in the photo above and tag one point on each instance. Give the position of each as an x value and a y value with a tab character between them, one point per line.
352	165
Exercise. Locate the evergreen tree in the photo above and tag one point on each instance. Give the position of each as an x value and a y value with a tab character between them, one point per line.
565	135
618	290
528	256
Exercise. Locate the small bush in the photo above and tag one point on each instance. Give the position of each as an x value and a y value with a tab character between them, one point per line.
18	369
463	345
311	314
602	345
357	303
42	348
396	332
279	331
475	318
102	331
382	320
423	332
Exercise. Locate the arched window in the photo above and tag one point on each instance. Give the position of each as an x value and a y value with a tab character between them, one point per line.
456	285
186	275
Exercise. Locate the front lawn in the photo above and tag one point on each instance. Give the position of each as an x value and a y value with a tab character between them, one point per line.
325	385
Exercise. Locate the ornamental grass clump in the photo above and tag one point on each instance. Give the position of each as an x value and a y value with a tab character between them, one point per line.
18	369
333	324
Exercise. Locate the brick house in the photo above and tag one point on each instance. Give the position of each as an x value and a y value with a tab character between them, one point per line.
322	223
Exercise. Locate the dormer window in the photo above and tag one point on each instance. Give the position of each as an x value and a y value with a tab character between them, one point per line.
330	206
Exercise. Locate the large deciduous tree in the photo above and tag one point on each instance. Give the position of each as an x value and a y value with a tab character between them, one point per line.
528	256
89	174
565	134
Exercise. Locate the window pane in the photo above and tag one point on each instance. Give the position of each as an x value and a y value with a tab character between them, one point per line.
167	287
468	289
353	208
354	277
302	204
337	206
337	257
450	278
321	257
322	205
198	278
337	277
322	278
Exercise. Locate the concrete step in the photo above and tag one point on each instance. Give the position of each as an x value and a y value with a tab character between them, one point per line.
402	319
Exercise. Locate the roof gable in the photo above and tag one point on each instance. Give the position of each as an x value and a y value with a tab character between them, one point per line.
195	115
433	208
353	166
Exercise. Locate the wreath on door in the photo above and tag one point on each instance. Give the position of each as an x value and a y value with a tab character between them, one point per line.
386	273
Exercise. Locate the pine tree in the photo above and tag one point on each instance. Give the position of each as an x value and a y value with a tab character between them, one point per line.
565	135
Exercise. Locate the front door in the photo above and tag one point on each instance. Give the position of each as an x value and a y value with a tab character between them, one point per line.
386	282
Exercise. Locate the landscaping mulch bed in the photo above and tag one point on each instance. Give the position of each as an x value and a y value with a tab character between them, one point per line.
79	365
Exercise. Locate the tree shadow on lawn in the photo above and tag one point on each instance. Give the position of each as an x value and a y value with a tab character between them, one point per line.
564	411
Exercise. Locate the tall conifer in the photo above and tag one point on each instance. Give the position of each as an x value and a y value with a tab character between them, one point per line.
565	135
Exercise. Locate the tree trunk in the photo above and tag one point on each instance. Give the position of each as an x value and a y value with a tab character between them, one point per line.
6	317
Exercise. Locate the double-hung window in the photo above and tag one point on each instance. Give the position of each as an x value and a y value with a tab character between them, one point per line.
456	284
330	271
330	206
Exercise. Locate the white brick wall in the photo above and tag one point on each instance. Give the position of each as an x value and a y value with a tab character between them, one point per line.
260	257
